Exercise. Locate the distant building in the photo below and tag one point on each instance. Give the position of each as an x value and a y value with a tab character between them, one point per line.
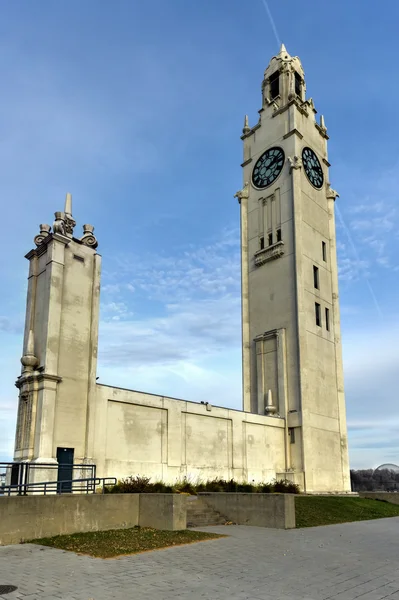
388	467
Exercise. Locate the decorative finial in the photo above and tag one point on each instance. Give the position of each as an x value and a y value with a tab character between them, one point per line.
243	194
88	238
44	232
283	49
270	409
246	128
29	360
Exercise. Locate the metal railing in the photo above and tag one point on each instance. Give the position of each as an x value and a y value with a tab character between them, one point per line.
82	486
22	473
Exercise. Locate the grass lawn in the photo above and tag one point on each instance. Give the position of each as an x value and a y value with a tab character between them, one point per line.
107	544
311	511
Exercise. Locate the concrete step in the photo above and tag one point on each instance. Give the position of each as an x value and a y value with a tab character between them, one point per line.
199	514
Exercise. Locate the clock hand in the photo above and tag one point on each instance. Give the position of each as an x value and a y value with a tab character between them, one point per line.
273	162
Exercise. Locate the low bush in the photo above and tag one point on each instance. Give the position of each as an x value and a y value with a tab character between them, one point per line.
143	485
285	487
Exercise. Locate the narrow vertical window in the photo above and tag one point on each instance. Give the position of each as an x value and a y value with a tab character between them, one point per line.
317	314
291	432
279	235
274	83
262	242
324	251
270	239
328	319
298	85
316	277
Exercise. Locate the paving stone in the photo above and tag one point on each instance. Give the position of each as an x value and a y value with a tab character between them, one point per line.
338	562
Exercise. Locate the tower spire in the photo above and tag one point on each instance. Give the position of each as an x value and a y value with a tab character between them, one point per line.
68	204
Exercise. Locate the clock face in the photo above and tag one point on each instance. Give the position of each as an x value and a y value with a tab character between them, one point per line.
312	167
268	167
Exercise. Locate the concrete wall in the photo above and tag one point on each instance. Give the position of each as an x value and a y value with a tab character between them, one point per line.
169	439
387	496
29	517
260	510
163	511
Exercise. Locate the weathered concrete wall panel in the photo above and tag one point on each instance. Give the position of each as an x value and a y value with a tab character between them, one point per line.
163	511
29	517
260	510
385	496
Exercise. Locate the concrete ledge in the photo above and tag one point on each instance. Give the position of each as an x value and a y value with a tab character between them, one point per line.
260	510
163	511
28	517
391	497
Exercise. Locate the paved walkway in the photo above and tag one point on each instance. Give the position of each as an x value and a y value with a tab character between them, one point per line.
339	562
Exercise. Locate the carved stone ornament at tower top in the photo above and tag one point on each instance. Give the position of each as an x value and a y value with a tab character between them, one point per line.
244	193
44	232
70	223
331	194
59	223
295	163
88	238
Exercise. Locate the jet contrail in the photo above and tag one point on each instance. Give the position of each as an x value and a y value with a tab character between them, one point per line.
272	22
354	250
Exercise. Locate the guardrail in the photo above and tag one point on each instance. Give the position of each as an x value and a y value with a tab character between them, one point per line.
21	473
83	486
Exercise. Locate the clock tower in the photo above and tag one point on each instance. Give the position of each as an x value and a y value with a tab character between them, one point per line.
292	362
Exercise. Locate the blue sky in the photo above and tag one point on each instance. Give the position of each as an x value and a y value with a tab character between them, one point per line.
136	108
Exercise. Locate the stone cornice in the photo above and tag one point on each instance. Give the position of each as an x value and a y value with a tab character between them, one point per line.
267	335
252	130
293	132
322	131
299	104
36	376
42	248
270	253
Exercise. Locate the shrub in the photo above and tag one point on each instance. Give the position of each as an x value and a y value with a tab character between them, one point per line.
246	487
230	486
140	485
185	487
283	486
160	488
265	488
215	485
132	485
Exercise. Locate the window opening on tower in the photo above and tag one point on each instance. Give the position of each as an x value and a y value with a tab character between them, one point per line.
274	83
317	314
316	277
298	84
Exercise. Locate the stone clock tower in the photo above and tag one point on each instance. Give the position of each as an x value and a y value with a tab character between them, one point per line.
292	363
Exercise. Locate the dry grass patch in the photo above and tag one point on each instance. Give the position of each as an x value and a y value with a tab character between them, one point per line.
115	542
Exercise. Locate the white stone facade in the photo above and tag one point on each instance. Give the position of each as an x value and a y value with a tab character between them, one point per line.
294	421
